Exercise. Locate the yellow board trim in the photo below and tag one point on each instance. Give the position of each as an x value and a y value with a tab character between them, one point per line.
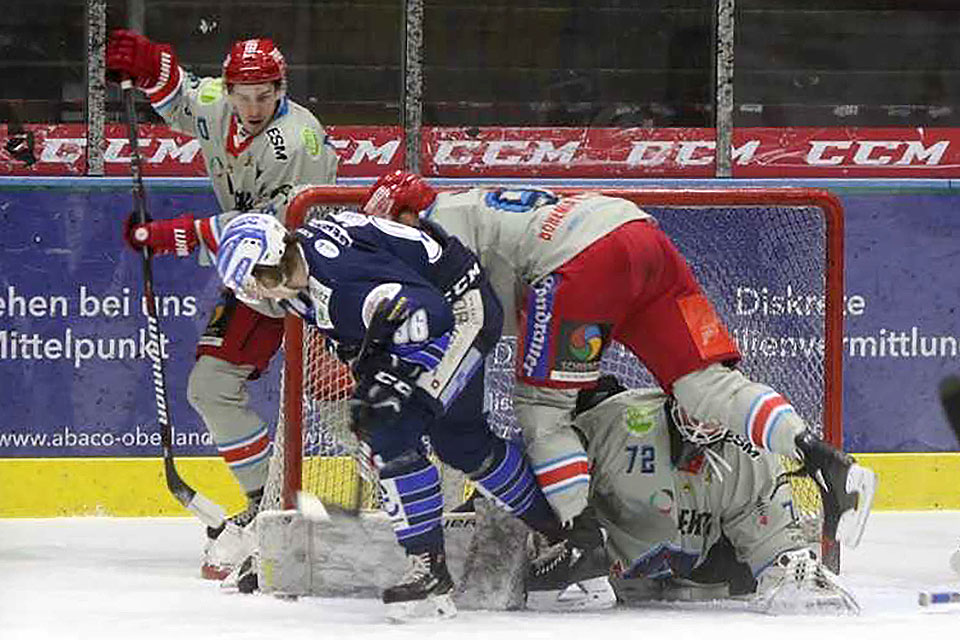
52	487
914	481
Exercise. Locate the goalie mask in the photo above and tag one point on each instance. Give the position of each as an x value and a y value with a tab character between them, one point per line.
693	430
248	241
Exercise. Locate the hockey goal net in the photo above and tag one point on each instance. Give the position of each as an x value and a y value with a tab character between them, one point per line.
771	260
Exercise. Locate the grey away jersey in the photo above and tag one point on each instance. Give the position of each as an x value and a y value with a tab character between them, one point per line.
522	235
662	521
247	173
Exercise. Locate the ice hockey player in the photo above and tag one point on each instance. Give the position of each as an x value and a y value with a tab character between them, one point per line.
695	512
549	259
257	144
412	312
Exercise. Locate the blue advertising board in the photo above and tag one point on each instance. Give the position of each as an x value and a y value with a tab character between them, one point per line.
74	380
74	376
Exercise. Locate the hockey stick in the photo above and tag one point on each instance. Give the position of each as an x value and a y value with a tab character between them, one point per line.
950	401
208	511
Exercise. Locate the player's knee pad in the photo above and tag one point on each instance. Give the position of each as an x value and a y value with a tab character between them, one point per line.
507	478
413	500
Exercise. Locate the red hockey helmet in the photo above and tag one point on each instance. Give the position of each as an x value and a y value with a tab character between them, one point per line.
254	61
396	192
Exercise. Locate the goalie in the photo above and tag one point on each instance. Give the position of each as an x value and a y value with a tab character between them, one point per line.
414	316
693	512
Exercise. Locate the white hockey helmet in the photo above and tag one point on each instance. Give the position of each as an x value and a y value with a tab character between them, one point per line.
249	240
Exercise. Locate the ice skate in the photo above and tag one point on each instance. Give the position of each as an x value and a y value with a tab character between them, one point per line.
573	574
230	544
846	488
424	592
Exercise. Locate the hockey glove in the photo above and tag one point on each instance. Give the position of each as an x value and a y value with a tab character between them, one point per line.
384	384
152	66
162	237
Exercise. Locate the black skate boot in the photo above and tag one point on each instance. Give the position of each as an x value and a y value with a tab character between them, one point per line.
425	591
572	574
846	488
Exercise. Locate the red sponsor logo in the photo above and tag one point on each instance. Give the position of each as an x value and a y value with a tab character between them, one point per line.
62	150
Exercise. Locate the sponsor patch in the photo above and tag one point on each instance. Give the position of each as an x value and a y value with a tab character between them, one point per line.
326	248
311	142
579	347
385	291
662	501
211	90
639	420
320	296
536	337
707	330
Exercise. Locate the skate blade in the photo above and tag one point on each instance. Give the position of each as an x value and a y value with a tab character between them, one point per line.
432	608
863	482
593	594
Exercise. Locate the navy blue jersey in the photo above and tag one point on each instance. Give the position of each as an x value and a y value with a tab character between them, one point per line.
355	261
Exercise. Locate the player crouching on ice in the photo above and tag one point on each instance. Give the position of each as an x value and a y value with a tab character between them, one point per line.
548	256
413	314
693	512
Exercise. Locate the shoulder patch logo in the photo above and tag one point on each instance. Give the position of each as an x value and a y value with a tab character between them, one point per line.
638	420
311	141
211	90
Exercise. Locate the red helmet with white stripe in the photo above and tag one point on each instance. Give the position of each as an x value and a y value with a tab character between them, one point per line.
254	61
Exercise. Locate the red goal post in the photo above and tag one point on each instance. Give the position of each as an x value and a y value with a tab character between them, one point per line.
798	231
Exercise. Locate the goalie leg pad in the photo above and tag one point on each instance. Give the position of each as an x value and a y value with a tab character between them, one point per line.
798	583
413	500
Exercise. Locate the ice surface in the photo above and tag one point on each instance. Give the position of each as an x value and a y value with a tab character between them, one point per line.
105	578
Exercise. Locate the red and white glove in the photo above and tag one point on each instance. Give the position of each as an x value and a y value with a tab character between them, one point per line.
396	193
163	237
152	66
